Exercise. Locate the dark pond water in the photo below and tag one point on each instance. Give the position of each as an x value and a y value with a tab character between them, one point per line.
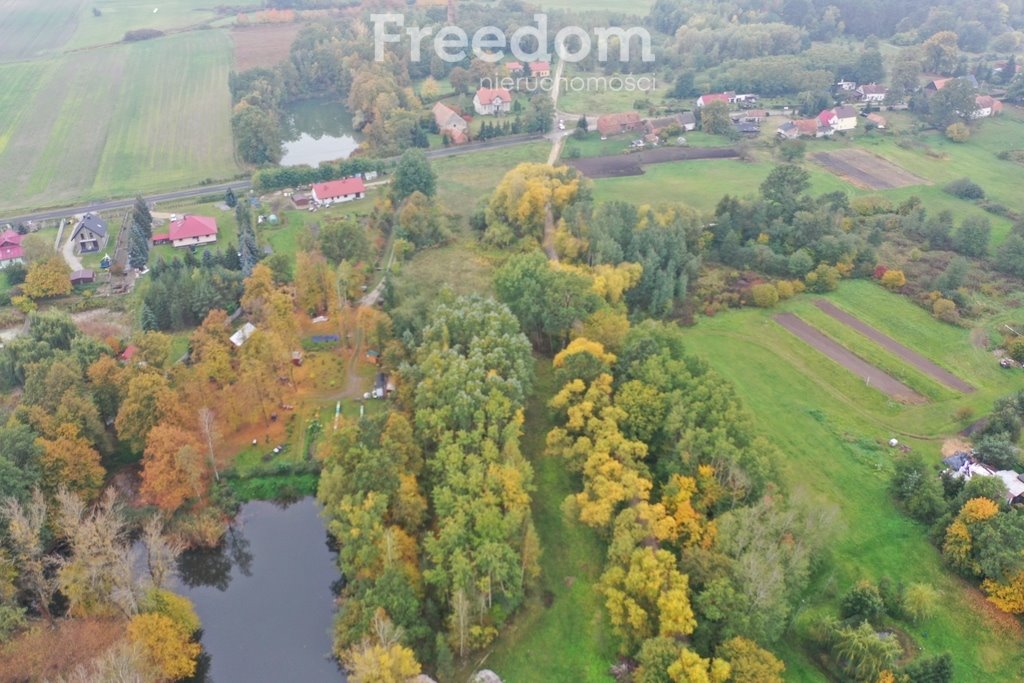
265	598
317	130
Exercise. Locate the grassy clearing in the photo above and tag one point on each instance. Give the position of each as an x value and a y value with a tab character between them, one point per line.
465	180
700	184
591	93
829	429
568	640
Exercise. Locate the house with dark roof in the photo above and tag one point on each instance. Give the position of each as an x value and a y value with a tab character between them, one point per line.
746	128
788	131
188	231
617	124
11	251
82	277
337	191
682	122
492	101
90	234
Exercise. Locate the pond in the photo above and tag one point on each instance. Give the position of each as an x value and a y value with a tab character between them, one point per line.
317	130
265	597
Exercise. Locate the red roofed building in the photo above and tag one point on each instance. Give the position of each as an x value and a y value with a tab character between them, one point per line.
11	251
492	101
189	231
716	97
337	191
827	118
616	124
540	69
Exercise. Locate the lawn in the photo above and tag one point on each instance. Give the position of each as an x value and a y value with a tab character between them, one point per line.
568	638
828	425
135	118
593	146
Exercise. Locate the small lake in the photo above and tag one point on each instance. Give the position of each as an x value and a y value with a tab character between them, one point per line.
265	597
317	130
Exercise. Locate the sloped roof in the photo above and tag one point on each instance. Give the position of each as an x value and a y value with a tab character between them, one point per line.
243	334
190	226
614	123
806	126
10	246
339	188
488	95
845	112
715	97
93	222
445	116
873	89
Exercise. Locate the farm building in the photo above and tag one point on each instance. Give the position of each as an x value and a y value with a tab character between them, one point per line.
986	106
337	191
90	234
188	231
11	251
492	101
968	468
746	128
300	199
82	277
450	124
940	83
684	122
617	124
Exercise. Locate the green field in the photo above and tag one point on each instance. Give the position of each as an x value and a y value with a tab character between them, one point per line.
135	118
29	28
596	97
463	181
829	427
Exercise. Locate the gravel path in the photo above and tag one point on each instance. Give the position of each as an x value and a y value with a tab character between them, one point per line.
872	375
912	357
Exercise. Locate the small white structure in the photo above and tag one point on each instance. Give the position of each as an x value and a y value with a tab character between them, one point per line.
188	231
893	443
243	334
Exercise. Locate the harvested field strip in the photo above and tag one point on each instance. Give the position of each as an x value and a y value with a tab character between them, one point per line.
866	170
262	46
893	346
872	375
619	165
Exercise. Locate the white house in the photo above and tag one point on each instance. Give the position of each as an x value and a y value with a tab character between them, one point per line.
337	191
188	231
846	118
492	101
726	97
985	106
873	93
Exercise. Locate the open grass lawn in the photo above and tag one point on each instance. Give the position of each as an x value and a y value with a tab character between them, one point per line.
700	184
593	146
464	181
595	93
561	633
829	427
134	118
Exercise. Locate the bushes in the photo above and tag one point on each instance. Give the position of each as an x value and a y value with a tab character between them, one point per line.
863	603
893	280
764	295
958	132
965	188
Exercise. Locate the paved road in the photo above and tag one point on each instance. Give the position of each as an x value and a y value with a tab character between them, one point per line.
125	203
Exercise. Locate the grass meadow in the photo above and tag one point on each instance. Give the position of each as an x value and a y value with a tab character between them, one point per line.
829	426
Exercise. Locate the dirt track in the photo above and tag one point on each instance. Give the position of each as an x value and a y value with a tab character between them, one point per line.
620	165
911	357
852	362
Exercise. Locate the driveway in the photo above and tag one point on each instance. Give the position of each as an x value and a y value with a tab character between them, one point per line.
69	254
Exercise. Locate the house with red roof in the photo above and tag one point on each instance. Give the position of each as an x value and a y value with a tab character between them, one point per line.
540	69
985	106
492	101
188	231
617	124
11	251
337	191
450	124
726	97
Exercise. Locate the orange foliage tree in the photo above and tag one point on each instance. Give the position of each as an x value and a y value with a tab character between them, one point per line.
174	468
69	460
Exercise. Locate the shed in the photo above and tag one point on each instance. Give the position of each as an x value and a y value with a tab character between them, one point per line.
82	277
